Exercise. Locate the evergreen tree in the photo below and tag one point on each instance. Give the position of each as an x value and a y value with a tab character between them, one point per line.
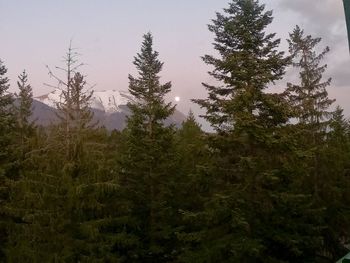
339	128
75	118
62	198
23	135
248	62
248	216
25	97
6	140
6	118
310	97
334	159
192	155
146	165
25	126
190	144
322	173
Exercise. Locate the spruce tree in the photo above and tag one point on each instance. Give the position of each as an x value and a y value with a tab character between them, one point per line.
191	154
339	128
190	144
309	97
309	100
146	166
243	218
6	118
75	118
24	125
25	97
63	199
7	124
248	62
23	143
334	159
193	157
321	174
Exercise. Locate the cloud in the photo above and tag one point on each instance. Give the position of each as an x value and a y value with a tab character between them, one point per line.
319	12
326	19
340	73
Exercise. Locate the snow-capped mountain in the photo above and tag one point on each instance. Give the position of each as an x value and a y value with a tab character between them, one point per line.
108	101
109	107
51	99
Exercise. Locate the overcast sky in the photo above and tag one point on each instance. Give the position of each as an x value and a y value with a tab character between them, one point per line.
108	34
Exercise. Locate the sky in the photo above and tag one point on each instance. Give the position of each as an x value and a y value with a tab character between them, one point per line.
108	34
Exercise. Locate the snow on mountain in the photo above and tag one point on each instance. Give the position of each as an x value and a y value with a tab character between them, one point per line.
109	107
108	101
51	99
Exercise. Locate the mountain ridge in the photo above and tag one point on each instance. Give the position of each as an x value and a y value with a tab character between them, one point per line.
109	107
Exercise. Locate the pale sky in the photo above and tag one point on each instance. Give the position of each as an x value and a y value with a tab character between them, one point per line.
108	34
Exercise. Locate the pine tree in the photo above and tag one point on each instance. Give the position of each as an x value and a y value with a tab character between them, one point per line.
333	170
87	178
25	127
6	118
6	140
339	128
63	199
75	117
23	135
25	97
248	215
310	97
192	154
146	165
248	62
190	144
310	104
311	108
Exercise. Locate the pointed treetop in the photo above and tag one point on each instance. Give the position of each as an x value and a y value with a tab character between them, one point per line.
25	106
147	61
309	97
249	60
22	81
4	85
146	88
5	97
190	115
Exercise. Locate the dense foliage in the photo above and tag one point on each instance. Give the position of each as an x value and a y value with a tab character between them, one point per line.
270	184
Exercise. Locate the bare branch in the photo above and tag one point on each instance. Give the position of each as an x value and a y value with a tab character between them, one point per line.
52	75
52	86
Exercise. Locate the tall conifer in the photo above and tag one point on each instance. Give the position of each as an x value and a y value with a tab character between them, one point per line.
7	124
146	164
25	125
6	118
250	164
62	198
309	97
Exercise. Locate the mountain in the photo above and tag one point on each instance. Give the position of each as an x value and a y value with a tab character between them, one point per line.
109	107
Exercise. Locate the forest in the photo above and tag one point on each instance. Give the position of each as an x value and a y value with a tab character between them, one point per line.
269	184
